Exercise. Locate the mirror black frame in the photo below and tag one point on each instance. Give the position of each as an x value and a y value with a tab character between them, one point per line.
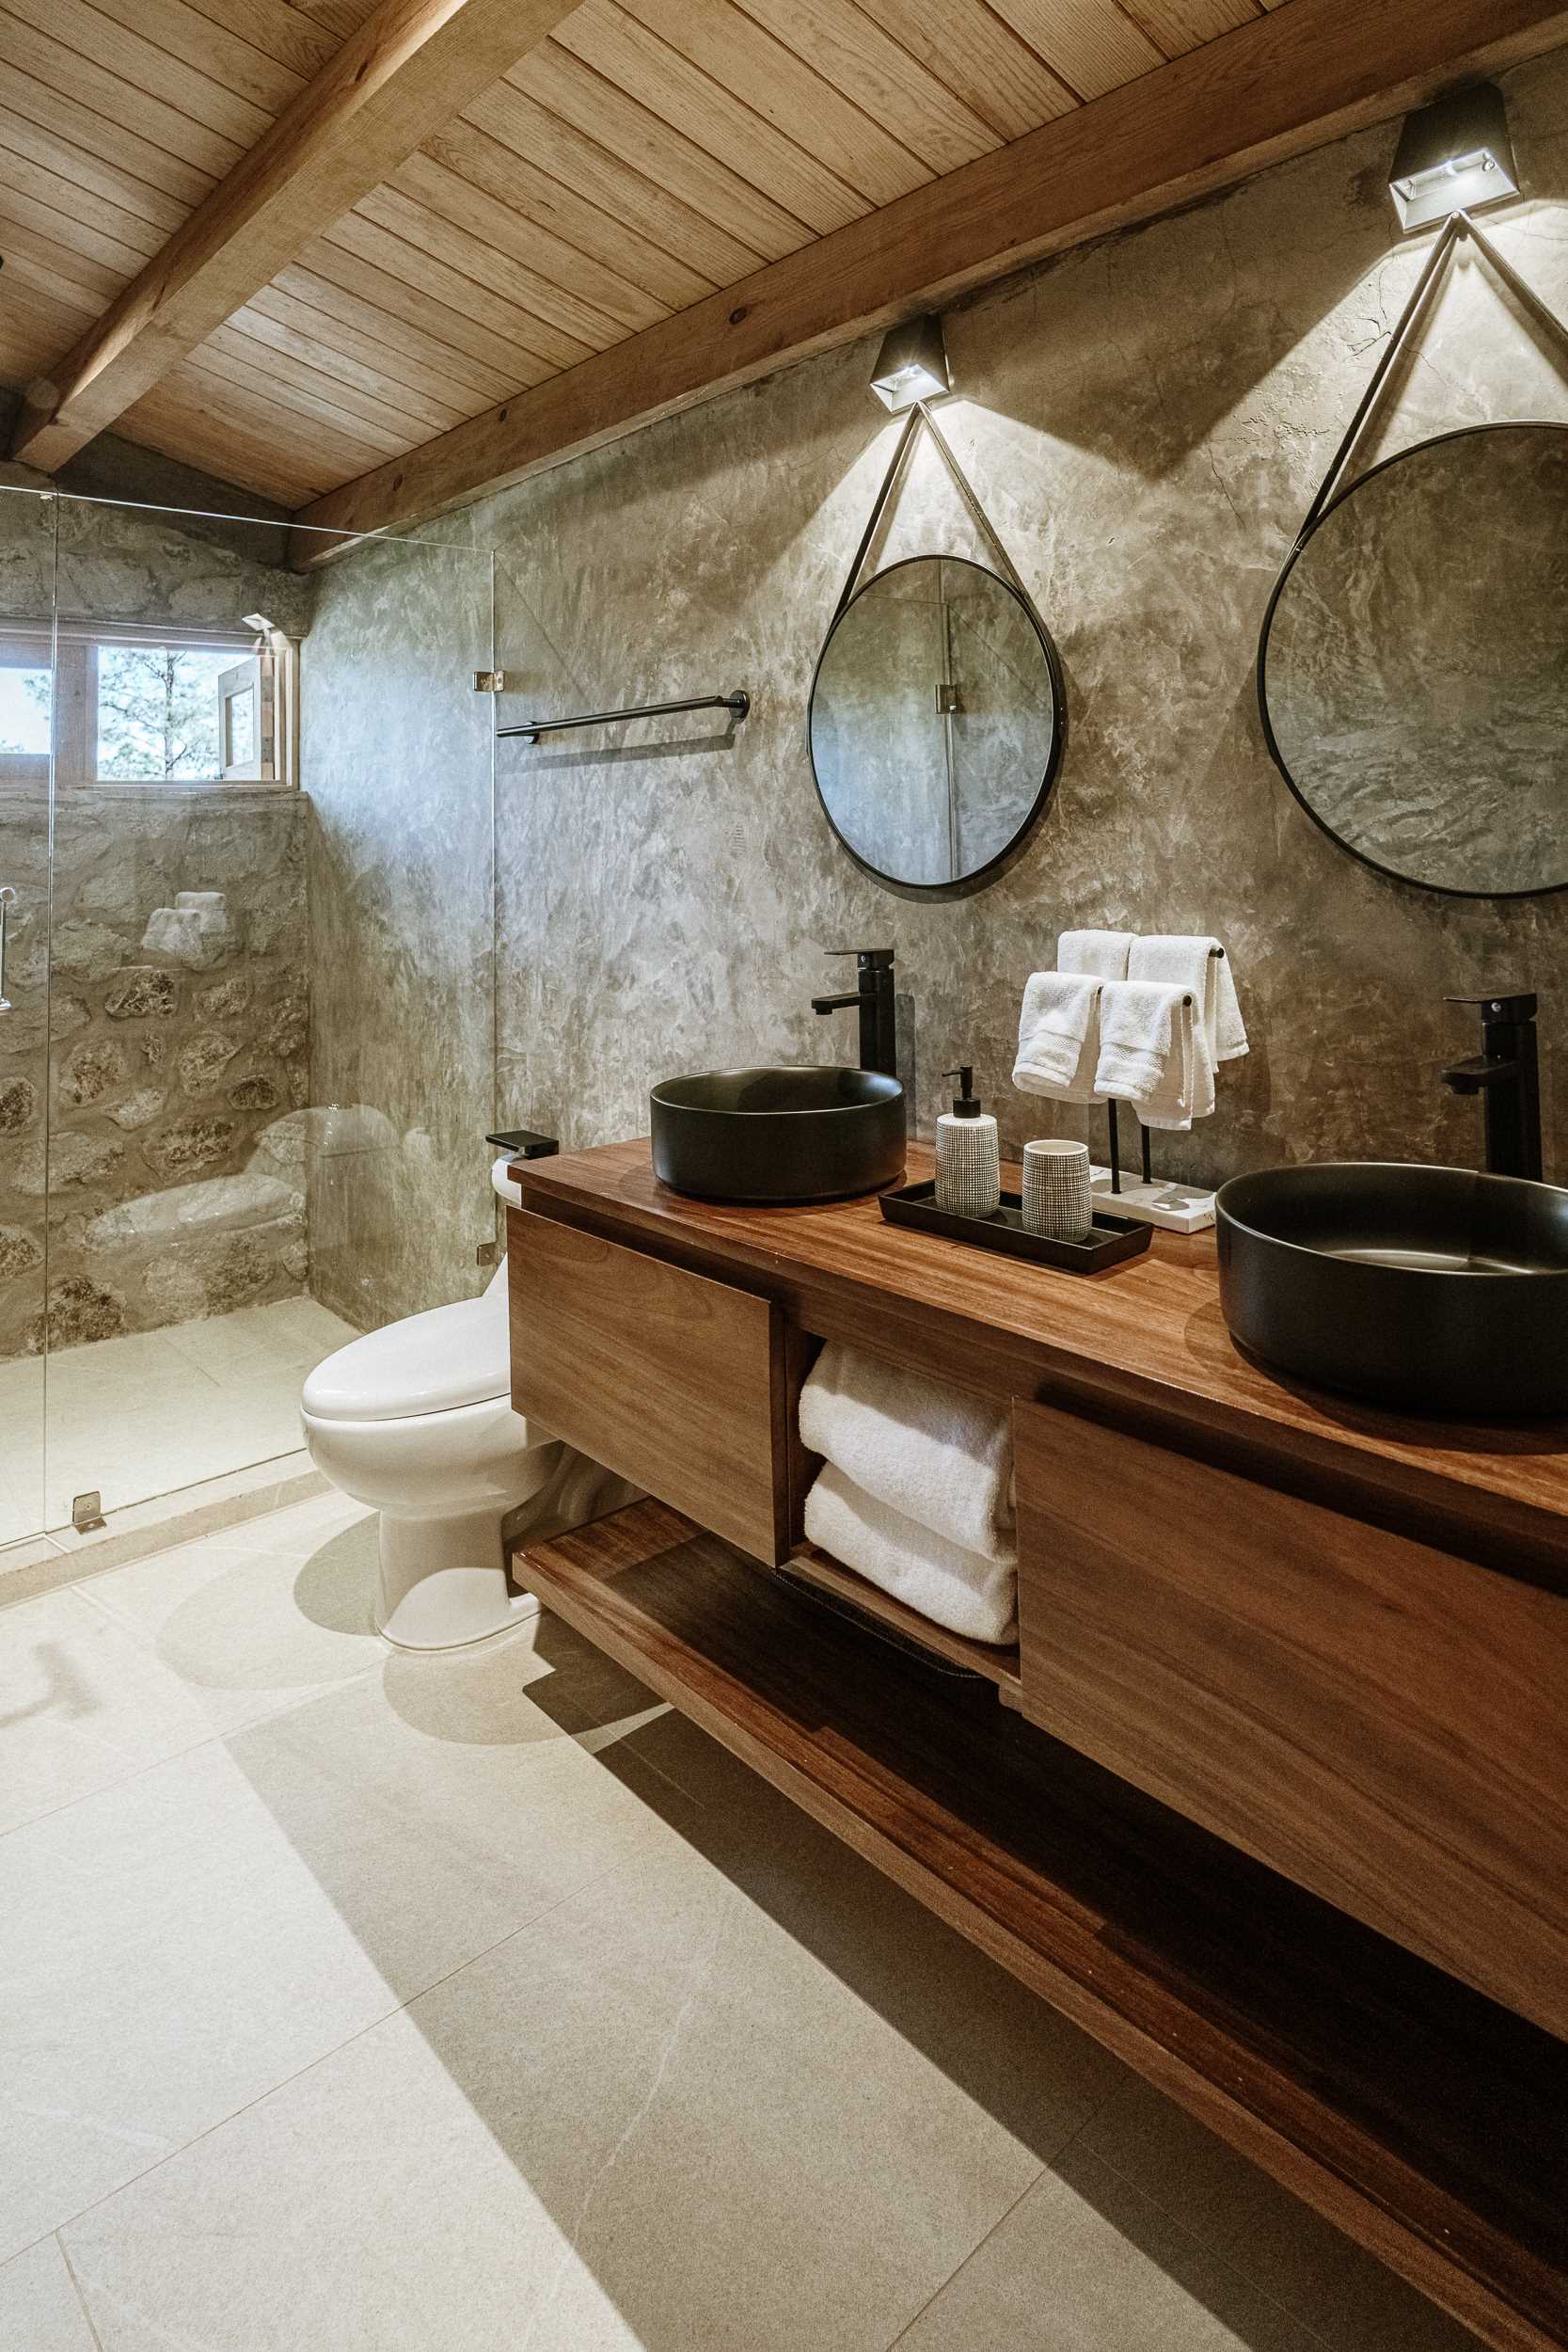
1400	457
1013	849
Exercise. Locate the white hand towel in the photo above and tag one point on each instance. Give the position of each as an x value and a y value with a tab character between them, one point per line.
1153	1055
1059	1041
1102	954
953	1587
1199	966
937	1455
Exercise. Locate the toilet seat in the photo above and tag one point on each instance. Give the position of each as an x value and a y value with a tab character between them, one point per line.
435	1363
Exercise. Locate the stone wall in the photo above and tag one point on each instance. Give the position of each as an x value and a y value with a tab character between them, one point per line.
161	1177
151	1072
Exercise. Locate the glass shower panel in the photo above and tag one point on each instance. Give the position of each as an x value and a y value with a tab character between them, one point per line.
27	534
273	1065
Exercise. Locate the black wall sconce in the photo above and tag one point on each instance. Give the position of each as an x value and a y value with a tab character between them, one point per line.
911	365
1454	156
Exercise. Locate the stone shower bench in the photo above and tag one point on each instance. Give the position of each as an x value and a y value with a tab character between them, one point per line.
216	1204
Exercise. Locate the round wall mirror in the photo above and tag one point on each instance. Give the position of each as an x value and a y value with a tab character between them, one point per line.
937	722
1413	671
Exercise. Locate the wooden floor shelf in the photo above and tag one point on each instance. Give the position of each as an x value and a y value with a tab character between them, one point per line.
1423	2119
997	1662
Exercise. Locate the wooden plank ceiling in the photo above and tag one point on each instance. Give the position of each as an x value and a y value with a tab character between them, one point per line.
648	154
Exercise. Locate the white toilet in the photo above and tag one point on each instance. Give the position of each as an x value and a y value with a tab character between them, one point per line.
417	1419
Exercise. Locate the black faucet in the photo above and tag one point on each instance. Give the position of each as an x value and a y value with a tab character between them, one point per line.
874	998
1505	1071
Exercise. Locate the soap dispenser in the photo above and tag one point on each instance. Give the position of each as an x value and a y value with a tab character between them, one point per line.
969	1156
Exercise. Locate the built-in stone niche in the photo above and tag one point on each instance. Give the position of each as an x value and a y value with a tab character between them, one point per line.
173	1046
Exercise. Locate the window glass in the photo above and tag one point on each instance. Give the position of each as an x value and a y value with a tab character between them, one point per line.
158	713
24	711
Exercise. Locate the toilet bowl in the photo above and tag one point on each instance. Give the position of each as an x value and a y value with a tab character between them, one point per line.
416	1421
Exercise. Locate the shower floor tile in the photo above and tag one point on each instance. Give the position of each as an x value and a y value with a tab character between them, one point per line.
156	1410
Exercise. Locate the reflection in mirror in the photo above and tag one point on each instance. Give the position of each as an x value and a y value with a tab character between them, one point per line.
1415	663
936	721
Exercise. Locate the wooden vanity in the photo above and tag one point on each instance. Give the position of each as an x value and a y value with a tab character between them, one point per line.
1278	1803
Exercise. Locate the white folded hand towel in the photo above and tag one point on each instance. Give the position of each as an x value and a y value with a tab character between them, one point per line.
937	1455
1102	954
1058	1036
1202	967
1153	1055
953	1587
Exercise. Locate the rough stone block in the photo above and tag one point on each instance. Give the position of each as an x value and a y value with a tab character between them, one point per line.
142	992
92	1071
187	1145
204	1059
19	1105
140	1108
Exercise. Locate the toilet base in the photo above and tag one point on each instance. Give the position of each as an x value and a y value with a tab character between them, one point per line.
444	1583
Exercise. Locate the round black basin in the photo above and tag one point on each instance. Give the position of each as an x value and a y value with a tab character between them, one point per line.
777	1136
1431	1289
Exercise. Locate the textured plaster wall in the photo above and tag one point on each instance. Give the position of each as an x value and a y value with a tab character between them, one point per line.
1146	422
150	1152
396	763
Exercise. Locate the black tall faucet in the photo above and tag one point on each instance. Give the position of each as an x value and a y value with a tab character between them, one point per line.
874	998
1505	1071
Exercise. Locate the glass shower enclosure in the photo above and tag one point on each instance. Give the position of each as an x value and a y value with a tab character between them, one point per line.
247	1043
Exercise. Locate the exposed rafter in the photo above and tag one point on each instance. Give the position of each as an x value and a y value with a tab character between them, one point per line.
1284	83
408	70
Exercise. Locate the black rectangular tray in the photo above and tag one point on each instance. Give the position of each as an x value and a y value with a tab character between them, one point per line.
1111	1238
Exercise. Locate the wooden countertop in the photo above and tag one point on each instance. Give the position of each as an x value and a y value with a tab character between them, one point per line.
1144	1342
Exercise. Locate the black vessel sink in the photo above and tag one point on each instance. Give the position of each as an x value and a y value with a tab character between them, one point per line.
1430	1289
777	1136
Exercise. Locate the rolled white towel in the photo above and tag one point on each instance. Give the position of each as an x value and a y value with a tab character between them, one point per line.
953	1587
1100	954
938	1457
1058	1043
1153	1055
1202	967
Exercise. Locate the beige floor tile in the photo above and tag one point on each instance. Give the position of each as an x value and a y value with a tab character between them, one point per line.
1297	2257
180	1945
1085	2264
657	2118
84	1703
39	2308
248	1632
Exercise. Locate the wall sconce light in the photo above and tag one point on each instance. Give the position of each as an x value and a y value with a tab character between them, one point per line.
911	365
1454	156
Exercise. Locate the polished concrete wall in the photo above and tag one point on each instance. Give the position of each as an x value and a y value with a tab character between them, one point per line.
396	766
1146	422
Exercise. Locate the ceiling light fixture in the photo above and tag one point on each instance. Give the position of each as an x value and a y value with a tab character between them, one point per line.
1454	156
911	365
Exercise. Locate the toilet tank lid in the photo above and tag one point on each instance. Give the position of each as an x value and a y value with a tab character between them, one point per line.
429	1364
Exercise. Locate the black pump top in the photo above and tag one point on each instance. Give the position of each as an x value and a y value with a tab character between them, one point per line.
966	1105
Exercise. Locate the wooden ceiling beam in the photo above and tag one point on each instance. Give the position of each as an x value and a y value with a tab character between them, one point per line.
405	72
1308	71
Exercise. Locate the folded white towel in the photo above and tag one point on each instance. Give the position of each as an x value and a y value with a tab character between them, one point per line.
1102	954
1202	967
953	1587
1153	1055
938	1457
1059	1041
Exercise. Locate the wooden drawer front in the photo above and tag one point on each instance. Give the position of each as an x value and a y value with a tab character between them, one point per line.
1381	1721
673	1380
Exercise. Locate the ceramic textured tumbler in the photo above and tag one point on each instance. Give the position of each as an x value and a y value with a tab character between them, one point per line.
1056	1189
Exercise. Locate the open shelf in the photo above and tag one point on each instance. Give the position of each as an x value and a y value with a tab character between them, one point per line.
997	1662
1422	2118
